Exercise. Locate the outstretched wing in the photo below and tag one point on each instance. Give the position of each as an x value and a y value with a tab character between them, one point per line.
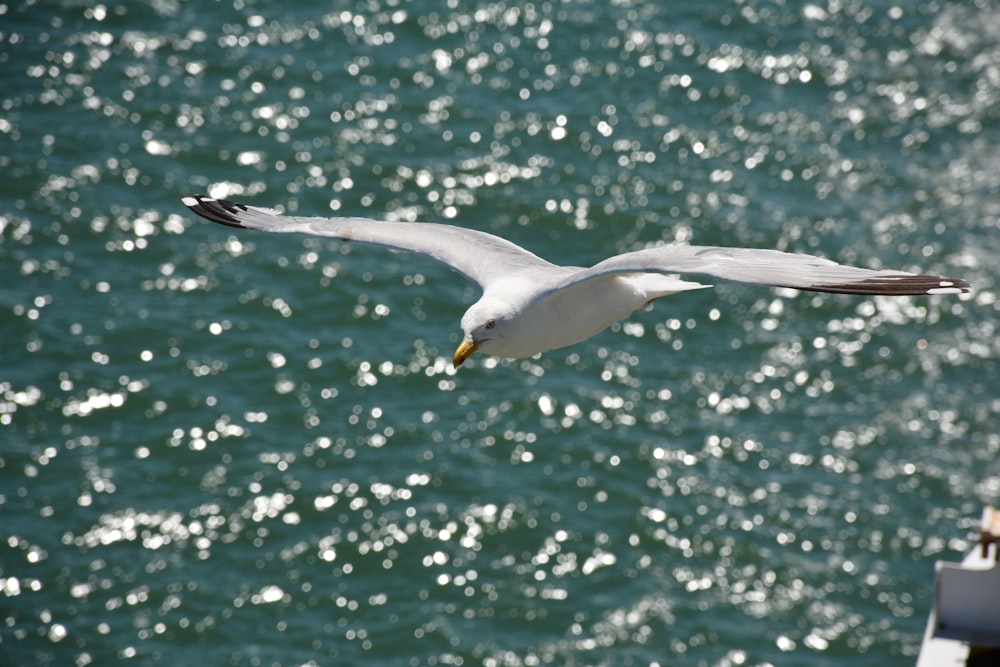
769	267
479	256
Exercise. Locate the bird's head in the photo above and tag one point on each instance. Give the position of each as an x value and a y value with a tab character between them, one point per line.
484	327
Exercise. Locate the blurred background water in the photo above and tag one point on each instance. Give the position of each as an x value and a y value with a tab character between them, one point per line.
244	449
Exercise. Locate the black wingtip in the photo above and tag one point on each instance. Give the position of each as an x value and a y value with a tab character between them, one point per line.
221	211
900	285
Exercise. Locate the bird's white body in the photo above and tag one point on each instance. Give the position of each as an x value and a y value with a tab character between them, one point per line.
530	305
537	322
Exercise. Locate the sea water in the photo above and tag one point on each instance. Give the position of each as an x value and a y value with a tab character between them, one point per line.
231	448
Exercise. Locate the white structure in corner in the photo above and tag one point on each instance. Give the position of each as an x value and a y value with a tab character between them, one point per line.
964	626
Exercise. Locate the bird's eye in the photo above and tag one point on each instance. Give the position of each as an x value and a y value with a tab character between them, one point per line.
491	324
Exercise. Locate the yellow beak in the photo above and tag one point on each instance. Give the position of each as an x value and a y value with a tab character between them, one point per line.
465	351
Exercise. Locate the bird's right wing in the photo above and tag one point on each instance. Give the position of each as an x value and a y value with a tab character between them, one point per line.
479	256
769	267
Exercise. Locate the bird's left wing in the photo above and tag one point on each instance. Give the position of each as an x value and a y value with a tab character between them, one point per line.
479	256
769	267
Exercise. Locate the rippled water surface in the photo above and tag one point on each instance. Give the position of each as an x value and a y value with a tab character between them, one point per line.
245	449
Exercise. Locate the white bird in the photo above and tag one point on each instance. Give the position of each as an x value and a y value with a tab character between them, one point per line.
530	305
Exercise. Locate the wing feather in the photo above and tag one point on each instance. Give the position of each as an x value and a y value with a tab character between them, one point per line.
769	267
485	258
479	256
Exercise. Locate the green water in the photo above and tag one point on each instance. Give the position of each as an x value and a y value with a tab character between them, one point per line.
240	449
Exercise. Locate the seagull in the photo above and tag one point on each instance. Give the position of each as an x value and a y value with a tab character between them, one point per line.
530	305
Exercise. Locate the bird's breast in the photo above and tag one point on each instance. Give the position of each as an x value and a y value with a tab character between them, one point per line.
575	314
